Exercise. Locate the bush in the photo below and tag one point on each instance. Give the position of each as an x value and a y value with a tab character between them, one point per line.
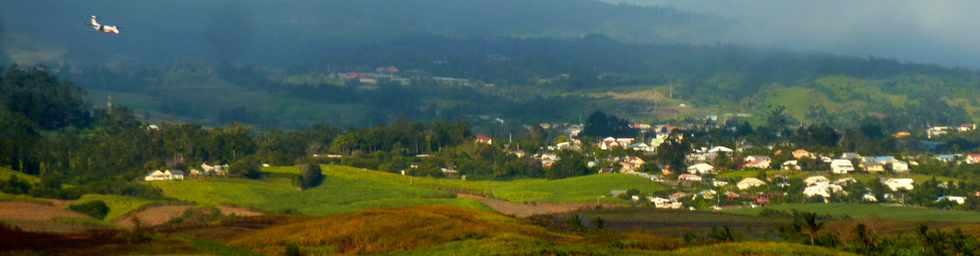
15	186
96	209
292	250
247	167
311	176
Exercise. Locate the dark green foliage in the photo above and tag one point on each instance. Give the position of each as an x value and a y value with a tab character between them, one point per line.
247	167
96	209
43	98
292	250
571	164
601	125
15	185
311	176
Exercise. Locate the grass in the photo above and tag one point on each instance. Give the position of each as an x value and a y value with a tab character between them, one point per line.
571	190
6	173
119	206
344	190
874	210
21	198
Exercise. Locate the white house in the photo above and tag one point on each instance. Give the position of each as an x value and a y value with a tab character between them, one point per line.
688	177
845	181
719	183
760	162
841	166
870	198
809	181
701	168
791	165
159	175
899	166
824	190
632	164
721	149
642	147
956	199
750	182
896	184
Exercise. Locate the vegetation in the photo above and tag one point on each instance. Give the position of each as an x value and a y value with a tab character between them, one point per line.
872	210
119	206
311	176
96	209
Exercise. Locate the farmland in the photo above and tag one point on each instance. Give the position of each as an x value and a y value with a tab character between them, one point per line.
344	190
870	210
118	205
581	189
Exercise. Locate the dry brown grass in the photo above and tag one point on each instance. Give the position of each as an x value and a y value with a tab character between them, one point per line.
389	230
24	211
153	216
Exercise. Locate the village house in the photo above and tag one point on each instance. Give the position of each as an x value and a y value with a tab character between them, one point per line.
937	131
641	147
845	181
759	162
956	199
902	134
869	198
947	158
750	182
791	165
163	175
631	164
967	127
896	184
212	170
899	166
841	166
719	183
973	158
708	194
701	169
609	143
822	189
802	153
809	181
451	172
689	177
665	203
548	160
850	156
484	139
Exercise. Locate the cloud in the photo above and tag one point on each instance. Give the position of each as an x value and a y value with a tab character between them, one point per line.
941	31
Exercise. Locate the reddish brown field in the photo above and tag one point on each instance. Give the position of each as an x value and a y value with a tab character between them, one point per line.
153	216
527	210
22	211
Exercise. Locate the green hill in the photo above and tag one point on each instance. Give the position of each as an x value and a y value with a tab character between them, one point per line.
873	210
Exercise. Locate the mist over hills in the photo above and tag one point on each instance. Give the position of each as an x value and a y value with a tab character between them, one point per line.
567	57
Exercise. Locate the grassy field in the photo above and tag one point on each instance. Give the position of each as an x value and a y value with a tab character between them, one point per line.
118	205
872	210
571	190
759	248
344	190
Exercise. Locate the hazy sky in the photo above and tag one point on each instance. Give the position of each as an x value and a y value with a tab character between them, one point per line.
934	31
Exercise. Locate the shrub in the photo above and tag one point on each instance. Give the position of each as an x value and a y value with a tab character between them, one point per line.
292	250
247	167
311	176
96	209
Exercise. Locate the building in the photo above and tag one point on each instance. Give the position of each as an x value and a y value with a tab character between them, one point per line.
896	184
759	162
841	166
967	127
484	139
700	169
689	177
809	181
791	165
632	164
956	199
973	158
802	153
748	183
159	175
823	189
937	131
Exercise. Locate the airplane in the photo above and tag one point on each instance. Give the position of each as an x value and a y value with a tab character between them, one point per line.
104	28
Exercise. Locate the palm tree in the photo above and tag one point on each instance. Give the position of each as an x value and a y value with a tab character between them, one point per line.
812	225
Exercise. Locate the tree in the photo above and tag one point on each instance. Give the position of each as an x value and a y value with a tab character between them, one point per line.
601	125
247	167
96	209
811	225
311	176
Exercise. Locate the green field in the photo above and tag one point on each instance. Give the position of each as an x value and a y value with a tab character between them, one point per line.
570	190
119	206
873	210
345	189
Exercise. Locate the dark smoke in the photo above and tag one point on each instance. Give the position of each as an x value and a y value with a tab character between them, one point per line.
229	31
